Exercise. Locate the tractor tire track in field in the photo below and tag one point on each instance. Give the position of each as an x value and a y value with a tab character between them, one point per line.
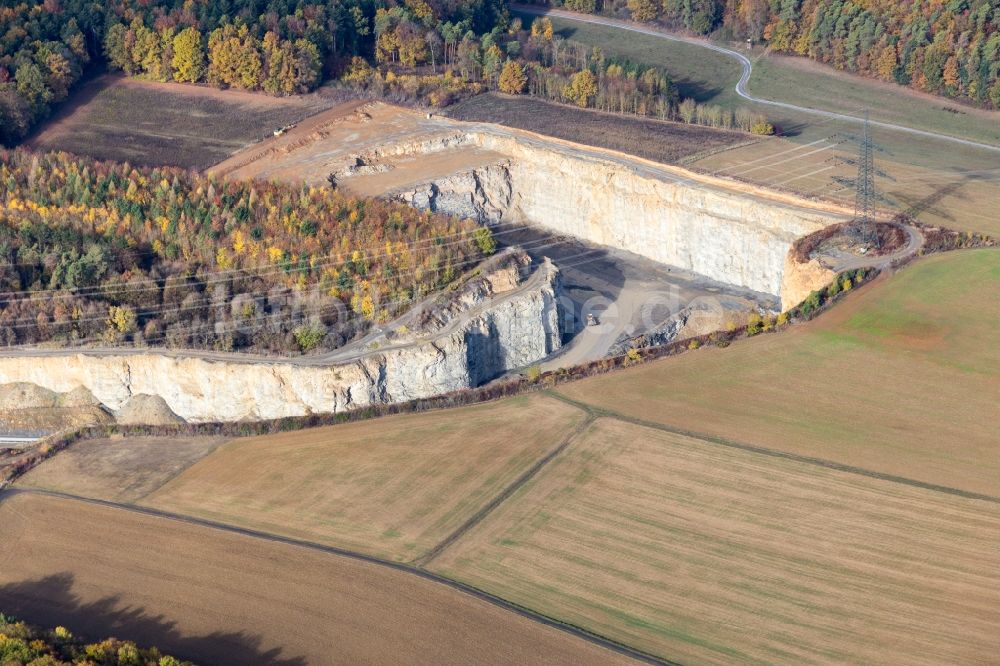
505	494
599	412
747	66
481	595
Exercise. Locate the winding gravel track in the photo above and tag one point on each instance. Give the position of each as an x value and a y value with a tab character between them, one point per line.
747	65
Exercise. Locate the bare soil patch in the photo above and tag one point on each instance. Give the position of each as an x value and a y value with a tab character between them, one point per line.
657	140
221	598
154	124
393	487
706	554
121	470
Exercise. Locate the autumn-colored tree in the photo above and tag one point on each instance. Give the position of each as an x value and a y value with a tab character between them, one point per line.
582	88
188	62
642	10
234	58
886	65
543	28
513	80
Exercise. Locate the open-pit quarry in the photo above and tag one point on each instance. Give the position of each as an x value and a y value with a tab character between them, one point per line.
733	233
645	248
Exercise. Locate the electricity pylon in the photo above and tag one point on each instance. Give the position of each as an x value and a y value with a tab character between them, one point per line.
864	192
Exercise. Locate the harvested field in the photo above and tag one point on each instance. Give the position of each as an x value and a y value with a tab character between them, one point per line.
900	379
707	554
120	470
958	193
393	487
658	140
222	598
154	124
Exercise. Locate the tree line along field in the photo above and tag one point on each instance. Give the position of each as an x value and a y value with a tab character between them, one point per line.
710	77
652	139
778	500
269	46
950	50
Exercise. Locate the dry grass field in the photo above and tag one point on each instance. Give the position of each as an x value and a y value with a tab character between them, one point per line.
227	599
959	192
120	470
900	379
652	139
393	487
155	124
706	554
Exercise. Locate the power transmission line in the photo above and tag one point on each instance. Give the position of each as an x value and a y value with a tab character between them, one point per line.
864	191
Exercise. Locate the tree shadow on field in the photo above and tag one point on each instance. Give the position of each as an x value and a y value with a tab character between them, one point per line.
50	601
94	82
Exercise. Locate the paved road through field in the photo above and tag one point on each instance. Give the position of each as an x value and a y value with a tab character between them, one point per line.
747	65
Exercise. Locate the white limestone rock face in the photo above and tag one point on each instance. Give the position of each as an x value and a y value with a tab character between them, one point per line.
726	234
518	330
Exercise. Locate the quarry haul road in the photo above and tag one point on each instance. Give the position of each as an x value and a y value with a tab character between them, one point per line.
478	594
747	65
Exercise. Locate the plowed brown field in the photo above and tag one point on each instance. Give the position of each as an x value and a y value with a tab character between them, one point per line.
223	598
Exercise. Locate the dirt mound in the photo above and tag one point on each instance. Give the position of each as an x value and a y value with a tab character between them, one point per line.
25	406
22	395
48	419
144	409
78	397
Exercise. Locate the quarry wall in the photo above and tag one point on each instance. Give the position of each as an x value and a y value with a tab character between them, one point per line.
516	331
726	234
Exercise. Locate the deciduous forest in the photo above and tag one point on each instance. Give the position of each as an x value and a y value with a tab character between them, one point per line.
106	253
278	46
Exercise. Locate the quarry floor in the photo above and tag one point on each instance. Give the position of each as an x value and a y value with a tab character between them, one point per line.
628	295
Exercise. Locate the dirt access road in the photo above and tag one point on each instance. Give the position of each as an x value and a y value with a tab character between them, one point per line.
747	66
226	596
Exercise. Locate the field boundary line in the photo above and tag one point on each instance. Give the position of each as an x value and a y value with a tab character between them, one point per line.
505	494
182	469
774	453
404	567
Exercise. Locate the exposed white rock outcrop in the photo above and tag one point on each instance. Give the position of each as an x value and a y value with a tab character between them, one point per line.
727	234
516	329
